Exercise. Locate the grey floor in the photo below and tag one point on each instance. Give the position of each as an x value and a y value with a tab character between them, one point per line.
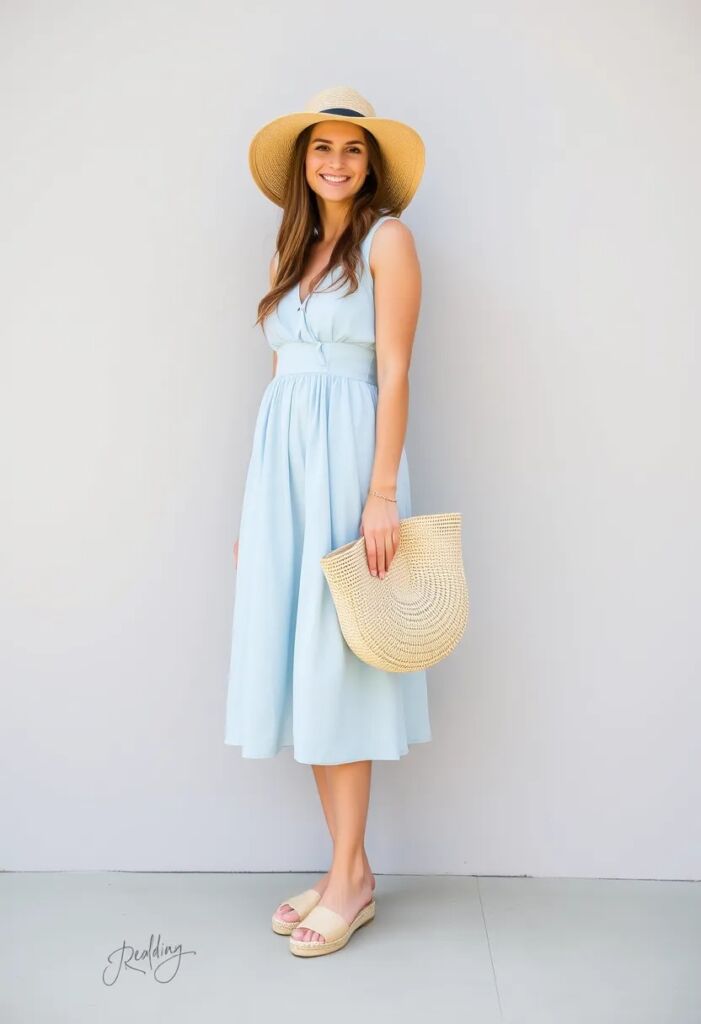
474	949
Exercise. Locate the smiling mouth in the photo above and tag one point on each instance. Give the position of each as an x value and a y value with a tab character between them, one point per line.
335	179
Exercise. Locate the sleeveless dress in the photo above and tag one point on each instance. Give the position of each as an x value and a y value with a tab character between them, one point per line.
293	680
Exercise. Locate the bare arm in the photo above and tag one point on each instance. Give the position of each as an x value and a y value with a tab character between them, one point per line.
397	275
271	277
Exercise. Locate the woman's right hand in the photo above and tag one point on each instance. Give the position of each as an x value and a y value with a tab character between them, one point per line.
236	553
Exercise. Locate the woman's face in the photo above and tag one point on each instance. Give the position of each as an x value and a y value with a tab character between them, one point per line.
336	150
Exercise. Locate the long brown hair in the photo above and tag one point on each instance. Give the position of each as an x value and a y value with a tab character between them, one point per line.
301	225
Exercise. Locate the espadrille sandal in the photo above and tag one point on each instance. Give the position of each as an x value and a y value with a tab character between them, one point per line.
303	903
332	926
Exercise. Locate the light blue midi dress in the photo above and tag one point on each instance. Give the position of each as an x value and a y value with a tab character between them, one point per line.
293	680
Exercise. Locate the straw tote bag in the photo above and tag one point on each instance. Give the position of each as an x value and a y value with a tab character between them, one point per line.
417	614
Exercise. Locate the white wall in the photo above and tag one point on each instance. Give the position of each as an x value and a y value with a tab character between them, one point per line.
554	402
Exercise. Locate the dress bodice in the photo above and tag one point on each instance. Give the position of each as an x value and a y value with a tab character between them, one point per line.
326	315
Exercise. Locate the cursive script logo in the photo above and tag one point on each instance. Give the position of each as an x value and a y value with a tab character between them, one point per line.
132	959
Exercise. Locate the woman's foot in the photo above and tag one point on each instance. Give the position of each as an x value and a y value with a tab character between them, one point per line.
346	894
286	912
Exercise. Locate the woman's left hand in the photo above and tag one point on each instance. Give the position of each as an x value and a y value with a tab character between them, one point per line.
380	527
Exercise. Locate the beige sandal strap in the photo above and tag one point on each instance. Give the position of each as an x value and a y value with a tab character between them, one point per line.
325	921
305	901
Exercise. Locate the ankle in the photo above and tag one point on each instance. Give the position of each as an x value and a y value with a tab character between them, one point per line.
355	872
356	868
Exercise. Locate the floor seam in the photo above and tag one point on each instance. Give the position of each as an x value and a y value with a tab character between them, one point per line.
489	947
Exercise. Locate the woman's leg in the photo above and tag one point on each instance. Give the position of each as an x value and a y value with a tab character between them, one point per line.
322	785
349	882
285	911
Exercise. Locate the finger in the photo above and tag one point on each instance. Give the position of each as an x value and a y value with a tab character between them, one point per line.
381	555
371	551
389	548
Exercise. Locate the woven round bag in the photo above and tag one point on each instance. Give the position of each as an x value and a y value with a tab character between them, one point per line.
416	615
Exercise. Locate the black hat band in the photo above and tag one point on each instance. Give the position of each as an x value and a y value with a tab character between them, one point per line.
342	110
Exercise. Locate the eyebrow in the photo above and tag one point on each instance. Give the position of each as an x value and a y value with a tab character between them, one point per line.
353	142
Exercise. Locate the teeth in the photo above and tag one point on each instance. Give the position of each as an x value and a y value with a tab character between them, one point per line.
331	177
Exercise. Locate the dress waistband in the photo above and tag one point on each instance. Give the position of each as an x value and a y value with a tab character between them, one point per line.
344	358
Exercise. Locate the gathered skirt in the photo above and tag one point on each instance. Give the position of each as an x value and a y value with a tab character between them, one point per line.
293	681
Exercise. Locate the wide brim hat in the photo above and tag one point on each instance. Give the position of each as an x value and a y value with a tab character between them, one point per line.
403	150
417	614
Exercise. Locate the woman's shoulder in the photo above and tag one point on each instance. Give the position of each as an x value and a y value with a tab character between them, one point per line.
388	226
385	218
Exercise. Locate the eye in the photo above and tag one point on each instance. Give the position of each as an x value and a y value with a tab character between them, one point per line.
322	145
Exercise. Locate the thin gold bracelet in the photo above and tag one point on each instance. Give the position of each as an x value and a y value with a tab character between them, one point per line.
382	496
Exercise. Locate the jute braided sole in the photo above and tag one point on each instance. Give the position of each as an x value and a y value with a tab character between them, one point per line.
284	927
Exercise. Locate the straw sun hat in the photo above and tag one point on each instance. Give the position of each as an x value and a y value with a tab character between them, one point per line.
403	151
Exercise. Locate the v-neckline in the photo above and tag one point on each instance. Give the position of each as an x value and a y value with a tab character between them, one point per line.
302	301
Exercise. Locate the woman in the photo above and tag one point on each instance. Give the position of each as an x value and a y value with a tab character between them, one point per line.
327	464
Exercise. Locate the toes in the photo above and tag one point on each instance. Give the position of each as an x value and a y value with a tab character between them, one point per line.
285	913
307	935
